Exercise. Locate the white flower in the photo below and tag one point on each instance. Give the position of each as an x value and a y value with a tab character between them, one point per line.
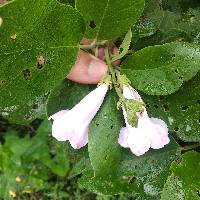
72	125
150	132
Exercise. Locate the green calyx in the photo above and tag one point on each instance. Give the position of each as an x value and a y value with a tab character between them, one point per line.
106	80
132	107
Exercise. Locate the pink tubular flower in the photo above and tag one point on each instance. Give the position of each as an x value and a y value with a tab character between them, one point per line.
72	125
149	133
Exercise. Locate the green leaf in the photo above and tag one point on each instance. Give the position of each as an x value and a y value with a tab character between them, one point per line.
184	182
162	69
187	22
39	150
37	51
180	110
104	156
150	21
108	19
173	189
117	170
179	6
79	167
124	47
59	164
108	185
66	95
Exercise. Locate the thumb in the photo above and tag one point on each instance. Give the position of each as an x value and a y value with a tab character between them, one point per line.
87	69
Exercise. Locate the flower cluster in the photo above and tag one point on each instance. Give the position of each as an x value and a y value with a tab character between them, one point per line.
140	134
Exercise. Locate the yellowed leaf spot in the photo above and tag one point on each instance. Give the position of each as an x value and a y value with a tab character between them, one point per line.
13	37
41	62
1	21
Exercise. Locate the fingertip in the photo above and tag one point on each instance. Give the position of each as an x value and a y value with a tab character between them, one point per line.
96	70
87	69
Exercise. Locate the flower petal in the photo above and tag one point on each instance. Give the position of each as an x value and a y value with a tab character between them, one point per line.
73	124
79	138
59	127
138	142
131	93
159	137
123	136
90	104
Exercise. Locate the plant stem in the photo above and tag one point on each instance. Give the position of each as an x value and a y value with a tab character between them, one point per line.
110	67
114	73
94	44
186	148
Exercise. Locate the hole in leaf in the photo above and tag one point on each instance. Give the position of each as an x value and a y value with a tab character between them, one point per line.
176	71
198	101
185	108
166	107
27	74
111	127
199	120
97	124
198	193
121	49
35	106
176	128
161	97
155	106
180	77
173	55
41	62
132	179
2	82
92	24
178	161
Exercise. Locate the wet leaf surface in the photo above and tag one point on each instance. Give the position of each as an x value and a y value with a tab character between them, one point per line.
47	29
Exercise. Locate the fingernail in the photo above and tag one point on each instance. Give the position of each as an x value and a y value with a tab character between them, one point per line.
97	69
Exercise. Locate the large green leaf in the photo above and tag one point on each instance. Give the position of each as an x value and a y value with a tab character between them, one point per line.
180	110
37	51
162	69
104	130
108	19
117	170
150	21
187	23
184	183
